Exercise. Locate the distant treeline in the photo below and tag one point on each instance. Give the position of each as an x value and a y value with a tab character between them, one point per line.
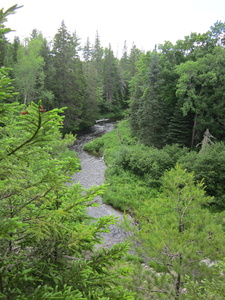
172	94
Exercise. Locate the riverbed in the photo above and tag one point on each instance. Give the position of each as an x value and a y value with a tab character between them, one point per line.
93	173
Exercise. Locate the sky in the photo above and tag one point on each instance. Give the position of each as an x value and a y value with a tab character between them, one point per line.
145	23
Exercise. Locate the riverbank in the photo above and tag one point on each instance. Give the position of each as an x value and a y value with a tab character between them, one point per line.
125	189
92	173
171	212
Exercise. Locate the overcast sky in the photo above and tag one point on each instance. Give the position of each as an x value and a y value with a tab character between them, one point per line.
144	22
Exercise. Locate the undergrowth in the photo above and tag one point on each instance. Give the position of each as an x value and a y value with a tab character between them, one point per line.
134	171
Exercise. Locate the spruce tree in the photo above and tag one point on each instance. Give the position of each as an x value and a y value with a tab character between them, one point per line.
137	87
124	75
151	114
112	85
87	51
68	82
47	241
179	130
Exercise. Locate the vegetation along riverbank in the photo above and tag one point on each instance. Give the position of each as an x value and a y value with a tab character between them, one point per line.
180	220
165	168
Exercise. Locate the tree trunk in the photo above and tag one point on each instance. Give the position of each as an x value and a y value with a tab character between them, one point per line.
178	282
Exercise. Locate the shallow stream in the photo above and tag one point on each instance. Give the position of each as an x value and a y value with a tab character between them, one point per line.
93	173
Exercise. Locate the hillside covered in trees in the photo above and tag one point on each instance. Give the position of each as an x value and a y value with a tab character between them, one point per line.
165	167
174	93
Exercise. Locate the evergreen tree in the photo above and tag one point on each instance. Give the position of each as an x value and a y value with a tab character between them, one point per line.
124	75
132	60
97	54
46	238
15	48
97	62
151	114
87	51
3	46
93	95
68	82
112	85
47	95
136	88
179	130
179	236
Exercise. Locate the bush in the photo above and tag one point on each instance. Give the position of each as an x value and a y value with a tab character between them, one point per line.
209	165
126	191
148	162
108	144
95	147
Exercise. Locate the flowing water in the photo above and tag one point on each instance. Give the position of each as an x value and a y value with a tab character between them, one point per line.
93	173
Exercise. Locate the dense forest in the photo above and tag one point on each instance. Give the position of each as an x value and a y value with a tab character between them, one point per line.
165	167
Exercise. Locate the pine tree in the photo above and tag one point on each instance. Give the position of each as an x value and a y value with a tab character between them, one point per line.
93	94
179	131
179	236
68	82
151	114
137	86
87	51
133	59
124	75
47	241
97	62
111	88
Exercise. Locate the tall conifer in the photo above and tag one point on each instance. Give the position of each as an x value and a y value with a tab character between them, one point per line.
151	114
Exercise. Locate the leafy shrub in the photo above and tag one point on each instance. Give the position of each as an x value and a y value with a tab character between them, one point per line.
95	146
108	144
148	162
210	166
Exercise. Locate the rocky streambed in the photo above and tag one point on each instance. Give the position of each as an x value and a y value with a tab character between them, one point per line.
93	173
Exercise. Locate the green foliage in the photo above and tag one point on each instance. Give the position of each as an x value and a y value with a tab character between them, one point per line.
178	234
208	165
176	98
6	88
47	240
28	71
4	16
126	191
199	86
137	86
109	144
152	99
208	289
180	127
149	162
134	171
67	81
152	111
158	267
96	146
112	89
